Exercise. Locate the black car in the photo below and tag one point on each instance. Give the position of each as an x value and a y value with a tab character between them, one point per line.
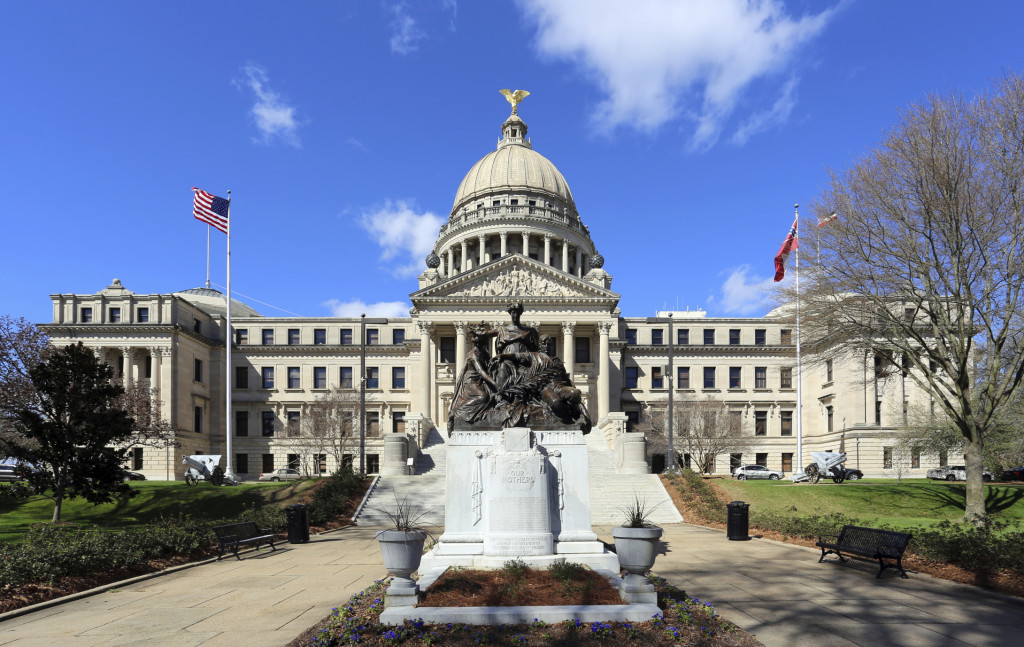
854	475
1012	474
134	476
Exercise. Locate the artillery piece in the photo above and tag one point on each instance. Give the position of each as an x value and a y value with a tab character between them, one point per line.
825	465
203	467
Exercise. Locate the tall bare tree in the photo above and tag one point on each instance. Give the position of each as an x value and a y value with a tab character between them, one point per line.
926	260
703	428
329	425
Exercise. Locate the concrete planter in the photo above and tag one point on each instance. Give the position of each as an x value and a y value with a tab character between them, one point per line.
402	551
637	548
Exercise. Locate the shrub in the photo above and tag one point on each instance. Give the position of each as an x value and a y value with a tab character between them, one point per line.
703	501
330	498
265	516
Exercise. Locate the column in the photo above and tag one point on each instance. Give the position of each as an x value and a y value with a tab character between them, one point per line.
579	263
569	354
604	364
126	352
482	243
426	365
451	262
465	257
526	244
565	255
504	243
460	346
547	249
154	379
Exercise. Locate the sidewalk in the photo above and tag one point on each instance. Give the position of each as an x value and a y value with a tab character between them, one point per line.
776	591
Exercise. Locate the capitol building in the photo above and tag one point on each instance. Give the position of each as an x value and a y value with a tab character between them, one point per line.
514	235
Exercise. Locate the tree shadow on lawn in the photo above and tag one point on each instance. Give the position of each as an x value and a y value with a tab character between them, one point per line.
997	498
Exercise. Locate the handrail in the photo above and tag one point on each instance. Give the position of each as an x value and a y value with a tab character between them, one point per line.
369	491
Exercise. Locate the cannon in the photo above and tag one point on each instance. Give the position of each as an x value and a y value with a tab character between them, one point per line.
203	467
825	465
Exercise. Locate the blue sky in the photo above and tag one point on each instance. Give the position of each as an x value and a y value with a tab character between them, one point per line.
686	130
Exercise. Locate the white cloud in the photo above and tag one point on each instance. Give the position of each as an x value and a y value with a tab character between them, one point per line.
274	118
774	116
658	60
405	236
357	307
405	35
745	293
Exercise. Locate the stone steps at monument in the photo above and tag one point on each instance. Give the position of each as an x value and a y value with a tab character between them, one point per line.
431	457
422	492
610	493
601	460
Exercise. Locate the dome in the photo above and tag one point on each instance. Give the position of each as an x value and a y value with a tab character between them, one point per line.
212	302
514	168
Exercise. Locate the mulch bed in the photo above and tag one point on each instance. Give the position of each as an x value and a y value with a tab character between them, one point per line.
685	621
472	588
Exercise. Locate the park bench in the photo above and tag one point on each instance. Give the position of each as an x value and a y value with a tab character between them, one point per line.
870	543
233	535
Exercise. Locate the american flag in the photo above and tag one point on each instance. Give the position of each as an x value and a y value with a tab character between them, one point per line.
788	245
827	219
211	209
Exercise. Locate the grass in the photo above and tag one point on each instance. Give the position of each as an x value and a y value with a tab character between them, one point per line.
154	500
915	502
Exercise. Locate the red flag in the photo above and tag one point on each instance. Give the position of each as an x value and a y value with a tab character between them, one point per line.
824	221
788	245
211	209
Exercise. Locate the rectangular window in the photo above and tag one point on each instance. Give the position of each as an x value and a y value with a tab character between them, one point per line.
632	420
709	377
398	422
656	337
294	377
915	459
878	413
267	373
346	336
735	460
345	381
447	350
828	370
294	420
268	463
142	315
267	426
398	336
120	365
241	377
657	379
787	462
197	370
319	377
149	366
761	459
319	463
908	315
347	461
734	336
268	336
397	377
787	422
828	419
887	458
242	337
197	420
86	315
372	336
136	458
786	337
709	336
683	336
631	336
683	377
242	463
294	462
760	377
943	458
372	423
582	350
115	315
293	336
372	377
632	376
734	377
372	463
241	423
760	423
760	336
786	377
319	336
197	326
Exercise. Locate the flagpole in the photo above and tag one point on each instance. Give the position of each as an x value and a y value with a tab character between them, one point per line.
207	256
228	339
799	359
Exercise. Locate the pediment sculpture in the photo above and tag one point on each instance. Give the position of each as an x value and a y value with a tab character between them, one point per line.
516	281
521	385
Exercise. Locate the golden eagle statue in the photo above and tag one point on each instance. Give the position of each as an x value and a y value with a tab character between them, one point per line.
514	97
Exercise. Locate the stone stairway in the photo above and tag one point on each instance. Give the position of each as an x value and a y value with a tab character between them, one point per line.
609	493
431	457
422	492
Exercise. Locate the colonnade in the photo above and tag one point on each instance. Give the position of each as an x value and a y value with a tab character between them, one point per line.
459	257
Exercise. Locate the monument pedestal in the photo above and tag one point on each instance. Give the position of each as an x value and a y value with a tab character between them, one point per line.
517	494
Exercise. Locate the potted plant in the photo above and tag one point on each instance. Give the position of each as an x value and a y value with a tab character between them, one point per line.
401	547
636	544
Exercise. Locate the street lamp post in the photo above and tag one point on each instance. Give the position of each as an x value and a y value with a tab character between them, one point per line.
362	393
671	421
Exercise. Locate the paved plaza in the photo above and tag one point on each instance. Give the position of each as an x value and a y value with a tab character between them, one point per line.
776	591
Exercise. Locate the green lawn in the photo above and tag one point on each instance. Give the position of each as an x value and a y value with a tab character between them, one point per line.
154	499
917	502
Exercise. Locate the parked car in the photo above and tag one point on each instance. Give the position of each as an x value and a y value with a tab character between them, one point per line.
954	473
1012	474
854	474
9	473
756	472
286	474
134	476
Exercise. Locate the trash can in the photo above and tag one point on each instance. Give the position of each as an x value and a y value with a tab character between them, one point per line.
298	523
738	521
